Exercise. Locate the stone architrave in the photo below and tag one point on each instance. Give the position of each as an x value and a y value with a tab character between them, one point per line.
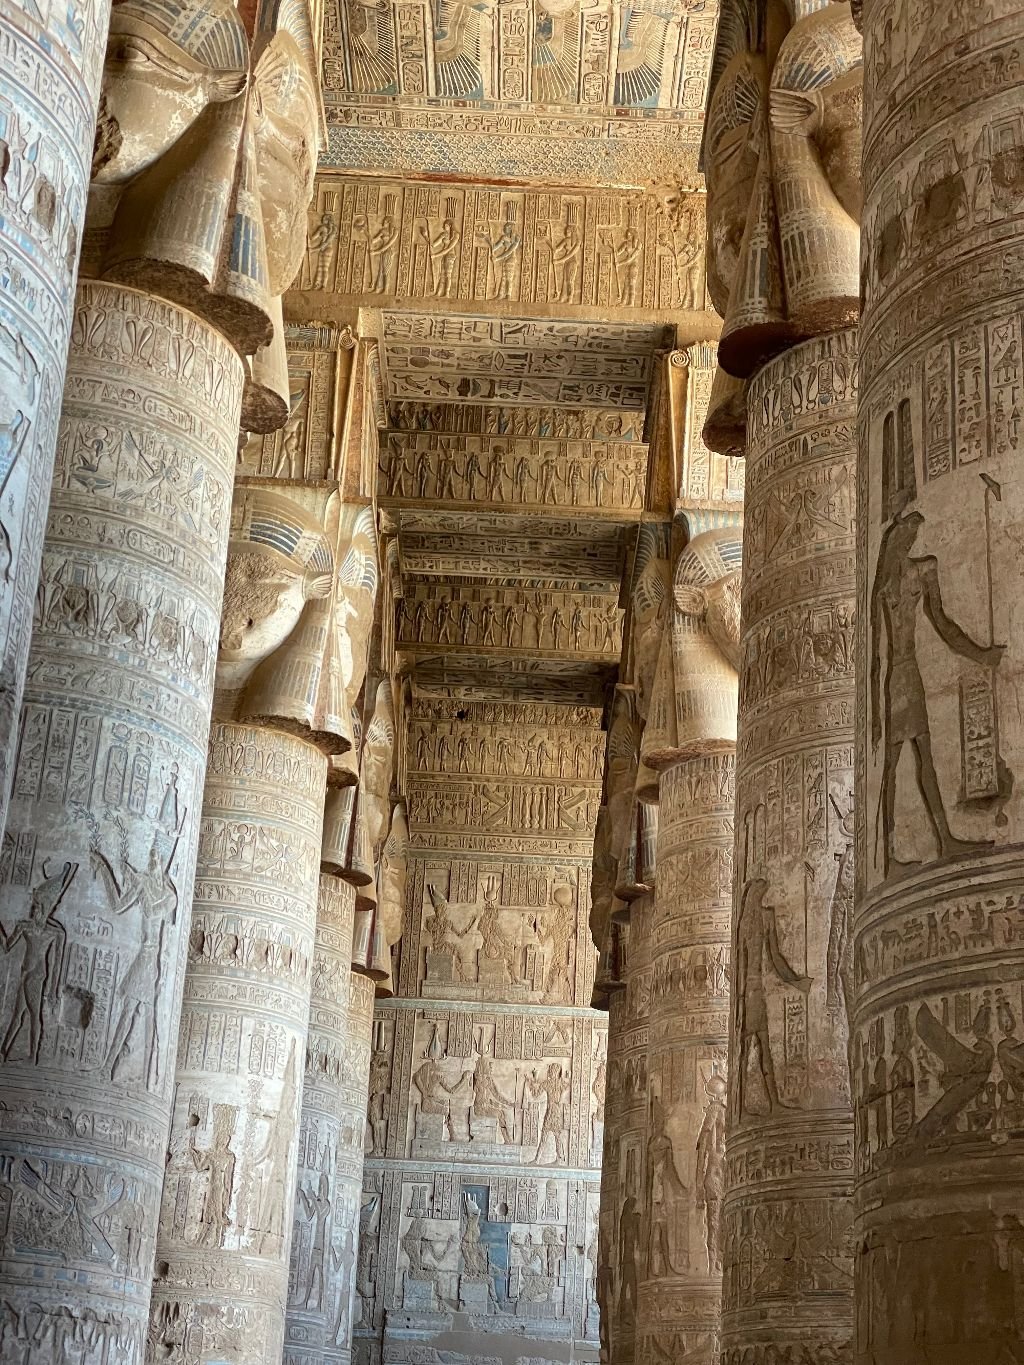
51	59
790	1131
938	970
100	847
221	1276
680	1296
330	1167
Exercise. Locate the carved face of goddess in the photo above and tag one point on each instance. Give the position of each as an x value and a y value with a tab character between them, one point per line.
286	152
164	65
264	594
723	616
736	129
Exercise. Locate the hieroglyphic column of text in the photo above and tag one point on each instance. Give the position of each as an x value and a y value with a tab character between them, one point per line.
680	1298
330	1167
626	1132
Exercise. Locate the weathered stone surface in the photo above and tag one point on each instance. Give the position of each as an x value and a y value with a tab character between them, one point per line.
787	1249
480	1190
51	58
679	1297
221	1274
330	1165
100	846
938	968
626	1137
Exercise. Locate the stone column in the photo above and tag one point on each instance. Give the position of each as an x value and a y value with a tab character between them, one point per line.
51	58
221	1274
608	1211
625	1139
98	857
790	1136
692	743
785	235
938	945
362	1212
330	1167
298	592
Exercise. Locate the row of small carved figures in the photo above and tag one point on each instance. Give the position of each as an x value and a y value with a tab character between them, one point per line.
500	625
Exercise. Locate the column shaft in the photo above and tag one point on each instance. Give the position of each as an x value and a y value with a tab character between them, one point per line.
936	1049
99	854
330	1167
51	59
680	1298
355	1287
221	1276
626	1130
786	1219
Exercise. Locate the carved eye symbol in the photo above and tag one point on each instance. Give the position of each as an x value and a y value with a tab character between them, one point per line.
128	52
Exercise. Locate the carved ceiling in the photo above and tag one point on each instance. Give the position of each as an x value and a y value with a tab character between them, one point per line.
509	204
458	359
580	91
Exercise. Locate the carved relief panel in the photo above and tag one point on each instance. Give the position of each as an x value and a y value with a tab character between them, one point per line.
581	249
513	471
487	1076
791	953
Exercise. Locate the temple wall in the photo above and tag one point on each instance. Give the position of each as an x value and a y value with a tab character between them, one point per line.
483	1146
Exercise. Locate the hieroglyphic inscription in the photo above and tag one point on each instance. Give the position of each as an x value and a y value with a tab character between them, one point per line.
679	1295
512	471
788	1078
510	619
51	58
325	1228
229	1186
99	850
626	1140
623	255
487	1078
937	957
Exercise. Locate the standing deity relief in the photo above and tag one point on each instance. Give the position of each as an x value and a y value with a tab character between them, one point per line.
482	245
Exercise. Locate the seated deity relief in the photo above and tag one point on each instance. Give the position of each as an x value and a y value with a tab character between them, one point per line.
507	951
782	158
298	605
204	160
695	696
